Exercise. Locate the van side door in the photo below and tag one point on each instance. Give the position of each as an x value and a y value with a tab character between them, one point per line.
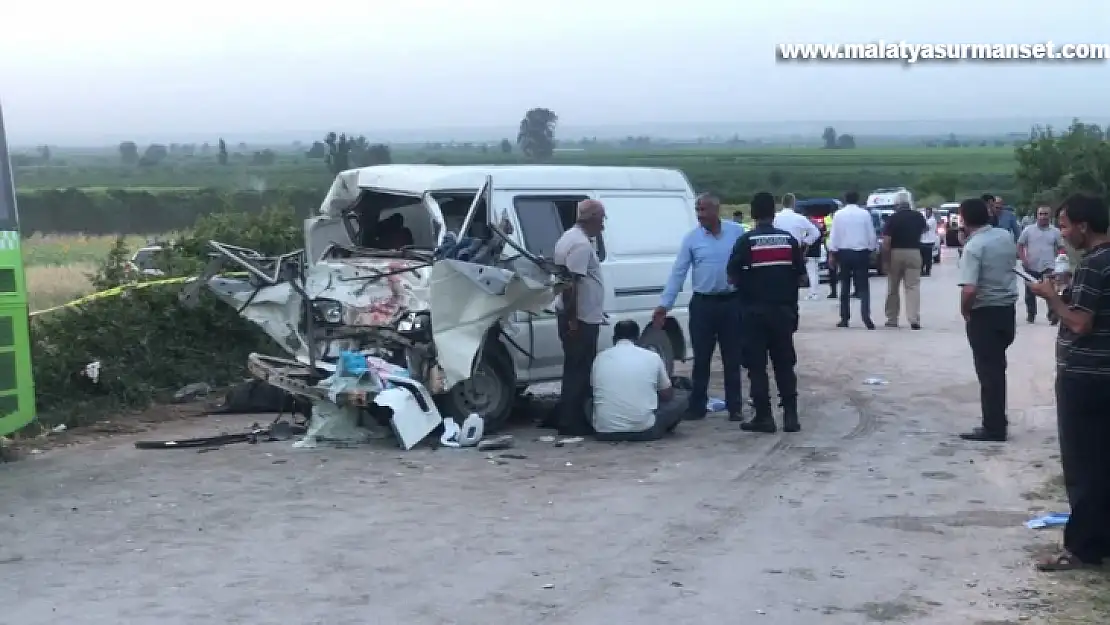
542	217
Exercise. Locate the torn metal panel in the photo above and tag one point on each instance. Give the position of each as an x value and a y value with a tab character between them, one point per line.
463	309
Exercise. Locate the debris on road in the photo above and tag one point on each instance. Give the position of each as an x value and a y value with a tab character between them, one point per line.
496	443
191	392
1055	519
875	382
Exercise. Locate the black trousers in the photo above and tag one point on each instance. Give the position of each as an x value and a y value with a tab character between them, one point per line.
578	360
769	335
990	331
926	258
715	321
1081	404
854	268
1031	299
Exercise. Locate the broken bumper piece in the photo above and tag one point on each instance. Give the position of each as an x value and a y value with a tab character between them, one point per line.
353	409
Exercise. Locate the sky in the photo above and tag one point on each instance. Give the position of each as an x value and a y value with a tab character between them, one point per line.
101	72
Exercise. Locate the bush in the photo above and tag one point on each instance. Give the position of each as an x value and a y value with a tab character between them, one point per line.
145	341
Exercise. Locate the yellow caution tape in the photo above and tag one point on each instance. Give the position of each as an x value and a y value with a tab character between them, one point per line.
120	290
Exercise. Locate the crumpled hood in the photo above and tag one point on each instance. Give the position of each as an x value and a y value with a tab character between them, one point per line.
375	292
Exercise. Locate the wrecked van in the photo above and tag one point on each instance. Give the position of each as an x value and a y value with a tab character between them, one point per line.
442	276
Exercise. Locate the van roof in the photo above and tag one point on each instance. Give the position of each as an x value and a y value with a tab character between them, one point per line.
417	179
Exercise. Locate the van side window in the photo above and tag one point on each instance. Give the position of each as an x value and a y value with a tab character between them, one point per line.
543	219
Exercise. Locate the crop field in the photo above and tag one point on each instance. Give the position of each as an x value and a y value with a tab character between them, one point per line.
58	266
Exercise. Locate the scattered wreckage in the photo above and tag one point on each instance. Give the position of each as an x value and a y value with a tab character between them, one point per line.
393	314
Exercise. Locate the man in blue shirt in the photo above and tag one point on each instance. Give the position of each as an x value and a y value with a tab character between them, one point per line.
714	307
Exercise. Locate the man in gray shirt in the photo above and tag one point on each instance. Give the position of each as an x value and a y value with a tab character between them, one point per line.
1038	246
580	312
987	302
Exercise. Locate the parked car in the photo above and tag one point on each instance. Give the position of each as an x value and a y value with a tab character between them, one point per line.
470	330
142	262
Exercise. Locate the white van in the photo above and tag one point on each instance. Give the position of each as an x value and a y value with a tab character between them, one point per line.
648	211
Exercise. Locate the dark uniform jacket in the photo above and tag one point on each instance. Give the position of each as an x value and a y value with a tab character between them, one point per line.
765	266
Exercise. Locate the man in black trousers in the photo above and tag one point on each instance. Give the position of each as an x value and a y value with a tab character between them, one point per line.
851	242
765	267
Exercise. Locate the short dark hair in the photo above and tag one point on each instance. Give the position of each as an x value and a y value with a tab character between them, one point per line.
738	214
987	198
974	213
851	197
626	330
763	206
1087	209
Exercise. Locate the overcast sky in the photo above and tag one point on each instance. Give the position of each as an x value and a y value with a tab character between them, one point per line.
75	72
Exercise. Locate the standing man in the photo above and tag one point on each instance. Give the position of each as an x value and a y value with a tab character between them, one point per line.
850	245
1037	249
833	278
765	266
902	253
928	241
580	312
805	233
987	303
1003	218
1083	385
714	309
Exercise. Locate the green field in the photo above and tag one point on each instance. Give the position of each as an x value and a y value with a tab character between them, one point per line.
734	173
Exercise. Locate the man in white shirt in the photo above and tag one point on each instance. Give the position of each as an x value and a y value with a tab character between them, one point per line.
633	399
805	233
928	240
851	242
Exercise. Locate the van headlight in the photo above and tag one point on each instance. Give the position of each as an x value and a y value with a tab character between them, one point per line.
328	311
414	324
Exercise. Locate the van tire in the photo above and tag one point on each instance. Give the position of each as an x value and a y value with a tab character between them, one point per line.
491	391
657	341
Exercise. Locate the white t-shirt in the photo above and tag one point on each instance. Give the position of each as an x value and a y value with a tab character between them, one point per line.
930	235
574	251
799	226
626	381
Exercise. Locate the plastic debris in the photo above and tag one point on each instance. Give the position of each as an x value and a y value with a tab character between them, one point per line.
715	404
875	382
451	432
495	443
1055	519
472	430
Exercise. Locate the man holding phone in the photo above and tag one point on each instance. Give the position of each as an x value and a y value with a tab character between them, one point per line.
1037	249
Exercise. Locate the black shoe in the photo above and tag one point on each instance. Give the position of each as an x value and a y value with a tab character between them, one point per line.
831	296
915	326
1054	321
869	324
735	416
764	425
693	416
1030	319
790	420
983	436
842	324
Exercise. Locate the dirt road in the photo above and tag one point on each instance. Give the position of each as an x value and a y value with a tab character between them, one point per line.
876	512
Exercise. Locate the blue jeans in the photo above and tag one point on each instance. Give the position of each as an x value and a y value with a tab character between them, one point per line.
715	321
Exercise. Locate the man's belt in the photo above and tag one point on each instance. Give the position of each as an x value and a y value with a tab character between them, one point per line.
717	294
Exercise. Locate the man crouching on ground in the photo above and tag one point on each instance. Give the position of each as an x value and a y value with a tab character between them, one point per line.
633	397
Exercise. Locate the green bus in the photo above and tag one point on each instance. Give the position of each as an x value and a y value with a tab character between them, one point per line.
17	392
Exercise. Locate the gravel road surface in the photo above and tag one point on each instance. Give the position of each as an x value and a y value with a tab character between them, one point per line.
874	513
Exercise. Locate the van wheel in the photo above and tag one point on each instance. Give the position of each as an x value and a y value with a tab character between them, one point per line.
657	341
490	392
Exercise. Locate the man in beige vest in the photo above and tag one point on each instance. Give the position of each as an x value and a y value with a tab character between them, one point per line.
902	253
